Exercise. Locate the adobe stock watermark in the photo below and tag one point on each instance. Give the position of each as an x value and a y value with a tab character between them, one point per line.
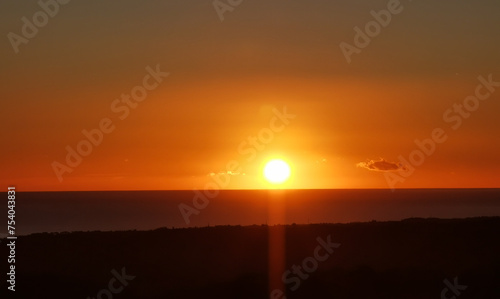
29	29
249	147
221	7
121	107
455	288
453	116
372	29
298	273
115	286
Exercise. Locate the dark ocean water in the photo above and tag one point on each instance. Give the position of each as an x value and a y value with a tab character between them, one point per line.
142	210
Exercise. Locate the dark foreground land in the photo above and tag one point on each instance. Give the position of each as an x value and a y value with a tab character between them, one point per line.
407	259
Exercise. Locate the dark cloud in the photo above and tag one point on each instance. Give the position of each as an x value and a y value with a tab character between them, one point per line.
382	165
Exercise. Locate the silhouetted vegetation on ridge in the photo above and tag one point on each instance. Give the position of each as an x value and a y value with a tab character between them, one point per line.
399	259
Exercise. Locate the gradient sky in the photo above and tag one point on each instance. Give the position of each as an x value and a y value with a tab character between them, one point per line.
227	77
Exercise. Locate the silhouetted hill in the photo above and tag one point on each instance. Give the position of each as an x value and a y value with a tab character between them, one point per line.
406	259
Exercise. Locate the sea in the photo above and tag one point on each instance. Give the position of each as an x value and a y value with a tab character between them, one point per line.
57	212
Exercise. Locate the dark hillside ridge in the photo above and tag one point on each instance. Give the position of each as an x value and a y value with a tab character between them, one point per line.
398	259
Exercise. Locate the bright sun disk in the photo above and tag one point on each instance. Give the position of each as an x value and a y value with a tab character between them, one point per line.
276	171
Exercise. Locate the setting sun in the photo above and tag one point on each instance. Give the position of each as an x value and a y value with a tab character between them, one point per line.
276	171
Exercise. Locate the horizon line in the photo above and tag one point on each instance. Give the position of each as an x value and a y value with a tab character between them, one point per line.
263	189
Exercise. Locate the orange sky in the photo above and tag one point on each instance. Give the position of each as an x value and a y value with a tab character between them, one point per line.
226	79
